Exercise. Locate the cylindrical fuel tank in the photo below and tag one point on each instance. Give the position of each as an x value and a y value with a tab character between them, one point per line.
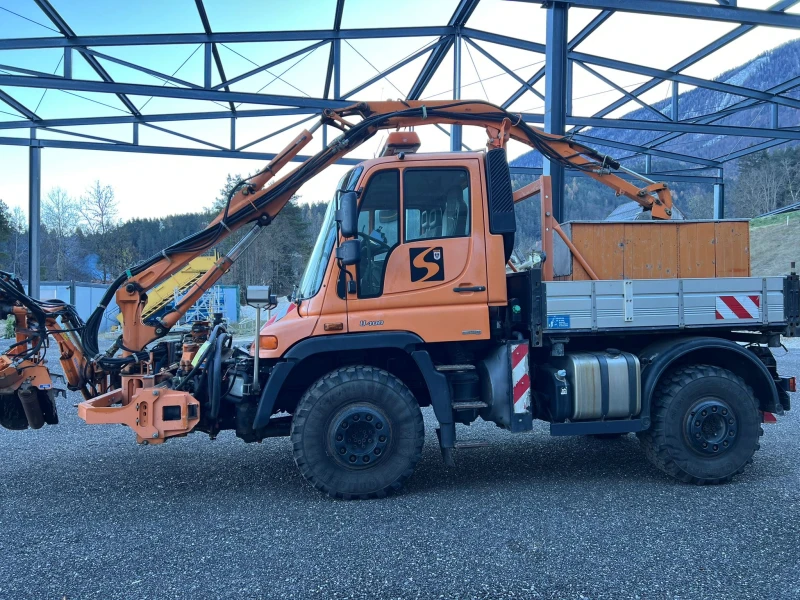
603	384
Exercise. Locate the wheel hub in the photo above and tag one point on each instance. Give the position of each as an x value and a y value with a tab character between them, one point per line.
359	436
711	426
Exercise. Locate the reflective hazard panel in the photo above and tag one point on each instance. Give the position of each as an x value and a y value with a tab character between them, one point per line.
520	378
738	307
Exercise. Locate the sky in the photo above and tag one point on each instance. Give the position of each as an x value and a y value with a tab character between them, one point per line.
156	185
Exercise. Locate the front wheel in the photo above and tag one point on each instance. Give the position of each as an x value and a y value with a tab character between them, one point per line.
705	425
357	433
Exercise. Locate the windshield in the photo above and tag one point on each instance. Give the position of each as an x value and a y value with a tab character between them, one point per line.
318	261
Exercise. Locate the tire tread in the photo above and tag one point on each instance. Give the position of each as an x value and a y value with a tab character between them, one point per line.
329	382
654	440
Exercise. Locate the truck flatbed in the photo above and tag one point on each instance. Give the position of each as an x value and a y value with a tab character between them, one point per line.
756	303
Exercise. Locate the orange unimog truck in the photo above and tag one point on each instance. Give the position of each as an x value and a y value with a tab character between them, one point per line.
412	298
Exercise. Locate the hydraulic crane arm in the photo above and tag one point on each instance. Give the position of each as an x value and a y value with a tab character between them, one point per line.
252	202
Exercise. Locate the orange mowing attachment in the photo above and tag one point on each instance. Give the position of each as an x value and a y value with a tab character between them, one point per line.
153	413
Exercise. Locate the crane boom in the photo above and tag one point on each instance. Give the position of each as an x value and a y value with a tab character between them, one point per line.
252	202
259	198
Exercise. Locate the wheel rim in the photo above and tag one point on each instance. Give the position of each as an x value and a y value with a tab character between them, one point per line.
359	436
711	426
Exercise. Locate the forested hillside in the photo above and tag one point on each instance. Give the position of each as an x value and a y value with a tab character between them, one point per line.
82	239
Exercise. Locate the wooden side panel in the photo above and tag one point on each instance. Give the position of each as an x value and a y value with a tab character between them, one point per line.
696	250
651	251
601	245
733	249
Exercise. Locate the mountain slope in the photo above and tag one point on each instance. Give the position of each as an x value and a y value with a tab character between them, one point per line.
774	244
761	73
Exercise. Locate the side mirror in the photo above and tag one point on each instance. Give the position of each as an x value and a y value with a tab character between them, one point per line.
260	296
347	215
349	252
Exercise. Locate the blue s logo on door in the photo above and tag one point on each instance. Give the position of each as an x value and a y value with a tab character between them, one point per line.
427	264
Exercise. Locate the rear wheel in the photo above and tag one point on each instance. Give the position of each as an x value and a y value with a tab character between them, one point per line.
705	425
357	433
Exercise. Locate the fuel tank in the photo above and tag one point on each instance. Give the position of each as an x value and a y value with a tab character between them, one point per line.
604	384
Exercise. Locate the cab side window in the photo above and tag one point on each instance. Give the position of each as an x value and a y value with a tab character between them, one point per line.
436	203
378	230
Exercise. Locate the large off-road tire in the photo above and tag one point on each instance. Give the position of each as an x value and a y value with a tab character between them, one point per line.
705	425
357	433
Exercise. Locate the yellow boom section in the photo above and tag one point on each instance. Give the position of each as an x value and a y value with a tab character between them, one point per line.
179	283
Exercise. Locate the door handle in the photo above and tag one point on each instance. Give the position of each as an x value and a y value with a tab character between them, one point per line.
471	288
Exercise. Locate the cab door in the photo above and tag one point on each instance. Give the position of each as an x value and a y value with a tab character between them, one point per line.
423	266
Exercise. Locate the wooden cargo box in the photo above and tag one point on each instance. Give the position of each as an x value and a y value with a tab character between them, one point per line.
654	249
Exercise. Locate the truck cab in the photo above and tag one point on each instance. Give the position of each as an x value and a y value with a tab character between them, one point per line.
428	263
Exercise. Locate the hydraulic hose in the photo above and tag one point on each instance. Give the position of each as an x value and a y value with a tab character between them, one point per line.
211	344
215	377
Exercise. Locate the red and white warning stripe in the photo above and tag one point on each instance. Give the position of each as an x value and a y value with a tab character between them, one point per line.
738	307
520	378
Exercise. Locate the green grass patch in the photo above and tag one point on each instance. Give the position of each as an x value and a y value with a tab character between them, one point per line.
792	217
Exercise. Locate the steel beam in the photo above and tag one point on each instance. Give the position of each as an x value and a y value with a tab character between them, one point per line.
462	12
34	217
751	149
597	142
67	31
18	106
103	87
68	63
337	69
337	25
150	39
665	177
504	40
391	70
201	10
584	33
135	67
505	68
674	107
207	65
697	56
755	132
688	10
733	108
455	130
621	90
269	65
661	74
159	118
555	95
164	150
719	200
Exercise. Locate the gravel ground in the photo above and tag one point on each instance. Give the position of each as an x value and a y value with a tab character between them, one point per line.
86	513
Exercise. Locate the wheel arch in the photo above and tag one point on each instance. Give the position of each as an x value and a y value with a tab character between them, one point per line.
665	355
311	358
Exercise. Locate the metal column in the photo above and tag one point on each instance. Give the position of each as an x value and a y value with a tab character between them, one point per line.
674	104
337	68
719	200
34	218
555	95
455	130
